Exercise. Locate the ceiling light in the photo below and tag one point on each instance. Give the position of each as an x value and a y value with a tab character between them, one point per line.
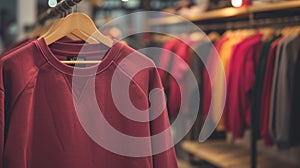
52	3
236	3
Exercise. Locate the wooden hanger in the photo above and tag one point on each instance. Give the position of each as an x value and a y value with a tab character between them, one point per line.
53	28
287	31
47	29
213	36
75	35
197	36
267	32
74	22
228	33
82	26
38	31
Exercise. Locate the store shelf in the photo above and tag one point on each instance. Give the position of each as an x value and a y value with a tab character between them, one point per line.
220	14
167	20
215	14
276	6
228	13
225	155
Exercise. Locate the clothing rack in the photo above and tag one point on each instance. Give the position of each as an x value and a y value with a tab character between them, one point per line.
252	23
60	9
265	15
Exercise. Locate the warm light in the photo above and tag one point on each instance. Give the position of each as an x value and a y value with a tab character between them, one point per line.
124	0
52	3
236	3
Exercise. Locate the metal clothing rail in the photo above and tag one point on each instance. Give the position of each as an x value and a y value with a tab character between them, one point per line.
61	8
258	23
57	11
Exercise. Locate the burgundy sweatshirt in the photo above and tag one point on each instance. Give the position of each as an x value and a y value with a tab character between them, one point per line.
39	127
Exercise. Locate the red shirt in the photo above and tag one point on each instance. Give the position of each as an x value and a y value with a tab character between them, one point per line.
240	81
39	127
15	47
24	42
178	70
165	60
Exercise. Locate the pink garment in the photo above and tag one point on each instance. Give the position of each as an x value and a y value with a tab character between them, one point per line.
179	70
166	59
174	51
240	81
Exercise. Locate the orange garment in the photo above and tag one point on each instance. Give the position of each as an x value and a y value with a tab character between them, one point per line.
219	85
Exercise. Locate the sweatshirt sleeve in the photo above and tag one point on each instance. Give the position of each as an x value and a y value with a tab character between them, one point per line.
160	126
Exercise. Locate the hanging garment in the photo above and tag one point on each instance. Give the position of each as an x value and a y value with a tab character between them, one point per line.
179	73
283	89
175	51
24	42
266	94
15	47
273	86
210	66
40	109
241	77
219	84
165	62
295	115
197	67
259	81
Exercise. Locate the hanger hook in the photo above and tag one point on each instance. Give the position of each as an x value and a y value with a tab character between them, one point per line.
75	8
69	7
75	4
61	10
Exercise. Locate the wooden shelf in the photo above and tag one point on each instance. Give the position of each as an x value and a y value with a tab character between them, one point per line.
225	155
276	6
167	20
220	13
227	13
